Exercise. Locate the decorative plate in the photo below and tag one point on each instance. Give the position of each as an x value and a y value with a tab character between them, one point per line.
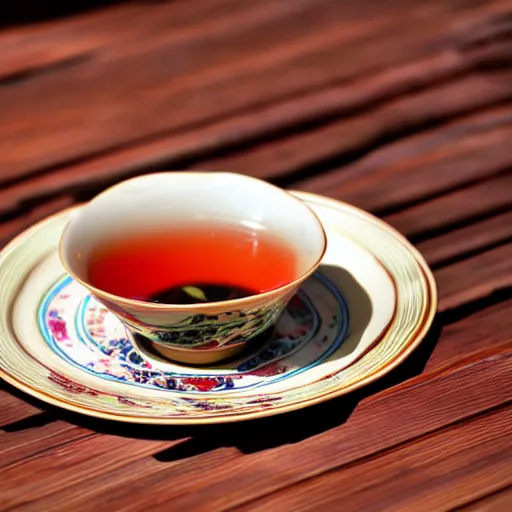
369	305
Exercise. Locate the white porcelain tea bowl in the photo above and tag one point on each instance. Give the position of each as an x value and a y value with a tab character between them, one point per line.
206	332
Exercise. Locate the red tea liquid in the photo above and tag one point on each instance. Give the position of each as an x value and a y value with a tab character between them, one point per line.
203	264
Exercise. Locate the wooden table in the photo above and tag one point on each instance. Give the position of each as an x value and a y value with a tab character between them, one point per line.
402	108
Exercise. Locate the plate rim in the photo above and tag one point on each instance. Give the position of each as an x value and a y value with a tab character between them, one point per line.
416	337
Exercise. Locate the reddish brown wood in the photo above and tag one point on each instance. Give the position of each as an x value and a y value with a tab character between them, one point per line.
139	480
18	445
497	502
114	106
487	328
415	150
449	163
14	409
440	472
72	462
171	149
463	205
364	131
33	49
424	405
475	278
467	240
174	149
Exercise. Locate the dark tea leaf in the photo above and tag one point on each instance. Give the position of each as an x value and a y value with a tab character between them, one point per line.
195	292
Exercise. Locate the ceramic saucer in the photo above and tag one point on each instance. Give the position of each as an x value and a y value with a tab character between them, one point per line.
369	305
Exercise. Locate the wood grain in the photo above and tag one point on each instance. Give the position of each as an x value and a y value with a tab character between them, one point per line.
172	150
362	132
464	166
497	502
31	49
112	106
488	327
441	472
425	404
14	409
451	163
475	278
427	218
18	445
415	150
123	482
72	462
466	241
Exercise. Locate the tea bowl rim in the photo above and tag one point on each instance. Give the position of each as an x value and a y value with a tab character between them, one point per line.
227	305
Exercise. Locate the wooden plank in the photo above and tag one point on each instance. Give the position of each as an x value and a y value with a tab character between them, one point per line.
126	28
415	150
171	151
121	28
498	502
26	50
25	443
485	329
129	481
71	463
343	141
29	49
154	86
114	106
466	241
440	213
441	472
14	409
424	404
475	278
452	163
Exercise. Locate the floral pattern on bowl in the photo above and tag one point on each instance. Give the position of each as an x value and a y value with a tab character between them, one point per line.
210	331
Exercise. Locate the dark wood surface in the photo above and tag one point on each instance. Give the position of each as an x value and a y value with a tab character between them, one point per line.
402	108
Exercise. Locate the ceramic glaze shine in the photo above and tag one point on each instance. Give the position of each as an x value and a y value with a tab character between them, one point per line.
199	264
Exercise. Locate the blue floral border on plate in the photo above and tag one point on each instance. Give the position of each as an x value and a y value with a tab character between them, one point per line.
80	317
